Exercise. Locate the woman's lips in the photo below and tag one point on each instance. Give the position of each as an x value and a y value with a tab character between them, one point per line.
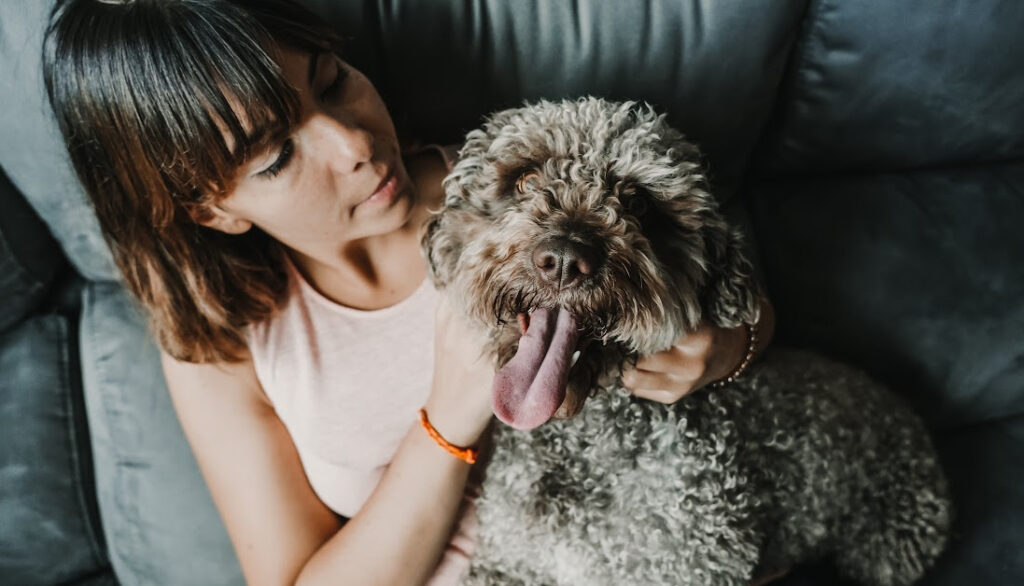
386	191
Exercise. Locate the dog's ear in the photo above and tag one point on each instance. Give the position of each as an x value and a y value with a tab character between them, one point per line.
444	239
478	181
441	247
732	294
447	234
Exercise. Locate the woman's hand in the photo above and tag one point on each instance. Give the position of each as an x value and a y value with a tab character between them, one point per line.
459	406
703	356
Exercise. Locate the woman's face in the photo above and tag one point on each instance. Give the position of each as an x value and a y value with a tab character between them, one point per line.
336	178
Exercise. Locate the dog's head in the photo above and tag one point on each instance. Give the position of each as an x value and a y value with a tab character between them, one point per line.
582	226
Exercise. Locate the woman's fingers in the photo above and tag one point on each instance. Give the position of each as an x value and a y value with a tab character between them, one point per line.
635	378
668	374
666	397
660	362
704	355
692	349
657	386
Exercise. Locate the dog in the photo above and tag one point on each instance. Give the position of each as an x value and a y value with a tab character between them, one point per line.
582	235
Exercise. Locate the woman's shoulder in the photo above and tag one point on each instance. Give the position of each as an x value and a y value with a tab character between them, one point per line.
449	153
190	383
427	165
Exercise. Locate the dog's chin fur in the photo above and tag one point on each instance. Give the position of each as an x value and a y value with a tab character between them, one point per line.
709	490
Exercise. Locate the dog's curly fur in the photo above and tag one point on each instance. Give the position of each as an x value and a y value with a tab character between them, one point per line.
802	457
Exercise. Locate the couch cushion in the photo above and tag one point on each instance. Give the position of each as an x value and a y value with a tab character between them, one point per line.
985	464
441	65
32	151
917	277
895	84
160	522
49	528
29	256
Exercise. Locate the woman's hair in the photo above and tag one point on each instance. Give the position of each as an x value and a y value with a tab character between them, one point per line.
139	89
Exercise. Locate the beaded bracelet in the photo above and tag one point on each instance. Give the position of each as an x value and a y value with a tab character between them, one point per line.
467	455
751	348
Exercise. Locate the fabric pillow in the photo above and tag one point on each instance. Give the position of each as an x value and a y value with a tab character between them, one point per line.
29	256
160	522
31	149
49	527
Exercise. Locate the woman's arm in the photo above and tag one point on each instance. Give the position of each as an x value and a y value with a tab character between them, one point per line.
275	521
400	533
704	356
281	531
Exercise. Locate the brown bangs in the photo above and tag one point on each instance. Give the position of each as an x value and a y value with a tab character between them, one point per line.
200	76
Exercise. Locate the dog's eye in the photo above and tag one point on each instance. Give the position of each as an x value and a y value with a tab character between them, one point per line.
636	204
526	179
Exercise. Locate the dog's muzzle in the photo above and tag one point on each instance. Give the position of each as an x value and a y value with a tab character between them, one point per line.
563	262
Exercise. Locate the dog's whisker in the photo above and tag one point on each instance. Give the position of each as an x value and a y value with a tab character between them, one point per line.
498	305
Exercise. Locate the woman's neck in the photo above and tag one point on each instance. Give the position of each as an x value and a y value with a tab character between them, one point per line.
378	272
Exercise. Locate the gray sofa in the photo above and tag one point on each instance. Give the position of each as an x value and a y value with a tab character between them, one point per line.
877	147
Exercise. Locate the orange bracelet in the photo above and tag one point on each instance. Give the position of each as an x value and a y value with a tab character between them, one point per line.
467	455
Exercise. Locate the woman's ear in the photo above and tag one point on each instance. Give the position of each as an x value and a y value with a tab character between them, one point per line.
216	217
732	294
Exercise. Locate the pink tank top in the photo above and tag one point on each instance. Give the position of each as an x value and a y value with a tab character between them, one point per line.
348	384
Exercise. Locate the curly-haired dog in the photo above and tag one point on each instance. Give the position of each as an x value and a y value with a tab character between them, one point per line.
586	226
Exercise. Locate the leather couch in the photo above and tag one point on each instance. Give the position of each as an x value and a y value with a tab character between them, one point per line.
876	148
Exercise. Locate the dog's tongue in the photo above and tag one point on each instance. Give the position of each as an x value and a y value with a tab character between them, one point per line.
529	388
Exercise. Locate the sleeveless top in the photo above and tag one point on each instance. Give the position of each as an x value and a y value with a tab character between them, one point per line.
348	384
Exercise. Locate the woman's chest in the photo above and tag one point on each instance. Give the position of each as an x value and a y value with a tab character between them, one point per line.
348	386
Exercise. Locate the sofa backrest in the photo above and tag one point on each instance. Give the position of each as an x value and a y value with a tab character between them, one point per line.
888	194
714	67
472	58
902	85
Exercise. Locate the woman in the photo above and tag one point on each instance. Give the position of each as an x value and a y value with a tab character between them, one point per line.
258	203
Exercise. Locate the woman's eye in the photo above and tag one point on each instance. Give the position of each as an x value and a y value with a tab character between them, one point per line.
287	150
525	180
332	91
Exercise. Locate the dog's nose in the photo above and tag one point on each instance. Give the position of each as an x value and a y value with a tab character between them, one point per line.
564	262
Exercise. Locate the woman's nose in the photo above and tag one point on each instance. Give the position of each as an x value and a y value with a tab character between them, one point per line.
345	145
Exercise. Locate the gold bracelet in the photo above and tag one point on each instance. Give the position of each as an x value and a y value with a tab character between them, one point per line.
751	348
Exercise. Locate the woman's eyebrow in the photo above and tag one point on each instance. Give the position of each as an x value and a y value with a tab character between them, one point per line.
263	139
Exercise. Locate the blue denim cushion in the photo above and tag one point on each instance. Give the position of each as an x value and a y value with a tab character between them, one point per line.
160	522
49	529
31	149
985	464
894	85
29	256
915	276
